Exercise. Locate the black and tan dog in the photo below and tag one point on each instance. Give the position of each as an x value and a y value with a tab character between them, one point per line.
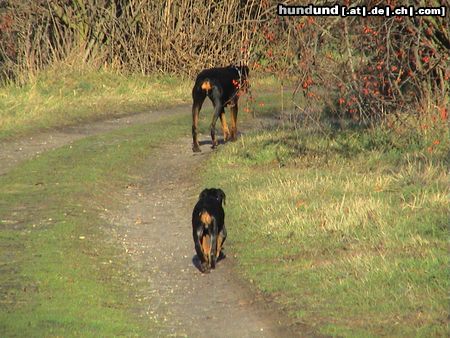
208	227
223	87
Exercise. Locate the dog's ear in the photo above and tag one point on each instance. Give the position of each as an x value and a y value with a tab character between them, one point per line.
221	196
203	194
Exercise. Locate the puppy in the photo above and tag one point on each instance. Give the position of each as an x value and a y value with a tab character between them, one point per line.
208	227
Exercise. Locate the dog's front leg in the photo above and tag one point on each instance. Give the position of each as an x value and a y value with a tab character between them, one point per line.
199	250
221	237
214	244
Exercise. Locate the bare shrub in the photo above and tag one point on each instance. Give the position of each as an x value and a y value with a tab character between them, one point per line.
364	68
177	36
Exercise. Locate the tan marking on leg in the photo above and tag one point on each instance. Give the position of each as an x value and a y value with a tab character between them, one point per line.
225	130
206	246
206	219
195	115
233	111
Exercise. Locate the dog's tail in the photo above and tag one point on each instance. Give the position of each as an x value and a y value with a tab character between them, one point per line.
205	218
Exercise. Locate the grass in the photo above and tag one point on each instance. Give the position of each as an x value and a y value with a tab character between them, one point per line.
61	270
65	95
349	231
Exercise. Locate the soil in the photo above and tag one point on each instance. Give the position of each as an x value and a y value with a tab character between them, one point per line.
155	230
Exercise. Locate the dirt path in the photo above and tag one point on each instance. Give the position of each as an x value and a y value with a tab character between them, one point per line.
155	230
15	151
159	239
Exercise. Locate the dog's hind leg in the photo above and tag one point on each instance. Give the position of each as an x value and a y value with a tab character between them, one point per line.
198	98
218	110
225	130
234	111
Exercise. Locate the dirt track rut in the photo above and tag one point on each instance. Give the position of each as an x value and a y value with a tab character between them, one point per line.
17	150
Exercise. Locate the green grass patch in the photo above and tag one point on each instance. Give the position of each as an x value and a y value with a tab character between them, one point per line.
349	230
64	96
61	270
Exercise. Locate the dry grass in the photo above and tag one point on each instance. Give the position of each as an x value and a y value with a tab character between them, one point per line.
68	95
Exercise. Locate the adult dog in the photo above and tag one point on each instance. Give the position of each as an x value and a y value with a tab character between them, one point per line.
208	227
223	87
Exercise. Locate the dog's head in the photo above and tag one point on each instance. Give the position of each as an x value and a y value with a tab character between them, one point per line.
245	82
244	73
243	70
214	193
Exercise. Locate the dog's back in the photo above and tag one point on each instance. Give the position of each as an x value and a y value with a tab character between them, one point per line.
220	78
225	79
